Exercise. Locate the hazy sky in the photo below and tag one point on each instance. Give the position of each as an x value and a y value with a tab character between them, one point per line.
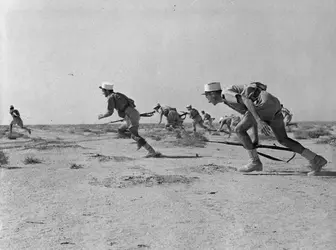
164	51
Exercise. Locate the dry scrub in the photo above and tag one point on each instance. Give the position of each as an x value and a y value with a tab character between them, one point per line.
31	160
3	158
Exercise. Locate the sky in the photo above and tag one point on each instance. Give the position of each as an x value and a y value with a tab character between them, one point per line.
55	54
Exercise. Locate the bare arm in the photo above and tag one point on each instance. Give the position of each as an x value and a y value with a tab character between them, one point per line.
161	115
110	109
255	134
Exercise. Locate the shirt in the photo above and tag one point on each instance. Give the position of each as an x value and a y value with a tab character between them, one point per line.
117	101
14	113
250	91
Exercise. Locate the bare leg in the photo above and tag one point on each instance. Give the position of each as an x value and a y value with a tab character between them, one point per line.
229	128
11	128
201	124
27	129
278	128
194	126
316	161
241	129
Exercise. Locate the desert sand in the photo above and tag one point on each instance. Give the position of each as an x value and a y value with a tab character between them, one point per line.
93	190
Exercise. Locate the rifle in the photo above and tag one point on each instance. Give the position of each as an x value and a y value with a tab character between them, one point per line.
262	146
183	114
147	114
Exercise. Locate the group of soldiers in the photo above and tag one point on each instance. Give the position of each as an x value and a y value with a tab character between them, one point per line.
256	106
175	119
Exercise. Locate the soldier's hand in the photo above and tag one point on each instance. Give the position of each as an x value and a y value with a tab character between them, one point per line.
255	143
265	129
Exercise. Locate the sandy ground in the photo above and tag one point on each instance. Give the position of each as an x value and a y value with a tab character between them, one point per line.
118	199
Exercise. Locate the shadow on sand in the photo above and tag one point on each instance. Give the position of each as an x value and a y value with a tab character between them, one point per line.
181	156
289	172
7	167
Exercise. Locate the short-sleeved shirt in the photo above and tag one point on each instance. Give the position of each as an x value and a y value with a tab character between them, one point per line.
14	113
117	101
266	104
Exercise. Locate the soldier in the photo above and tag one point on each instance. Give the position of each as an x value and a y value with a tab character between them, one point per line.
196	117
126	109
208	119
16	120
259	107
173	118
229	121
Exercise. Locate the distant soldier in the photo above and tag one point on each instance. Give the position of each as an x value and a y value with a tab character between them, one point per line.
196	117
230	121
126	109
173	118
208	119
287	115
16	120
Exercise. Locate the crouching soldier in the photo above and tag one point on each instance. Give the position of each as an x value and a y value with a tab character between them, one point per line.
173	118
126	109
259	107
196	117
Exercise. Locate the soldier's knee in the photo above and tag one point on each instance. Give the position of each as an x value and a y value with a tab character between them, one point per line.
142	141
239	129
282	140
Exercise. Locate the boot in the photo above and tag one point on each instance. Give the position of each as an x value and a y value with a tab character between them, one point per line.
151	151
316	162
254	163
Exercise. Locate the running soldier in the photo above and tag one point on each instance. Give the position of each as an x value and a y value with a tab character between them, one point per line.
230	122
208	119
126	109
263	109
16	120
196	117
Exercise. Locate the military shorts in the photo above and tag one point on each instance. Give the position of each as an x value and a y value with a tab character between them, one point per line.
18	121
268	106
132	117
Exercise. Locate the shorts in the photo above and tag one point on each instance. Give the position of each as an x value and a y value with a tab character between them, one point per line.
268	106
198	119
132	118
18	121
